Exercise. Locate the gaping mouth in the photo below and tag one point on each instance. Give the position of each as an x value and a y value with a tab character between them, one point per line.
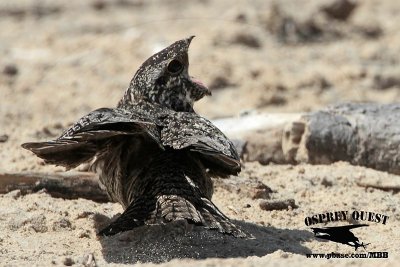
201	86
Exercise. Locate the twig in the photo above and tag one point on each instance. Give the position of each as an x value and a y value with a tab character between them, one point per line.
278	204
394	188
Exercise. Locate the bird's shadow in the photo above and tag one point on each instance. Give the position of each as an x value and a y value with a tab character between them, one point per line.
162	243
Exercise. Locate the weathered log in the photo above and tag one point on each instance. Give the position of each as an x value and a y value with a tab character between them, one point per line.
68	185
363	134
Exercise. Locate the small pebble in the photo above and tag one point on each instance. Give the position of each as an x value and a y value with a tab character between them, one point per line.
84	234
340	9
99	4
84	214
10	70
68	261
219	82
62	224
39	226
3	138
327	183
260	191
284	255
247	39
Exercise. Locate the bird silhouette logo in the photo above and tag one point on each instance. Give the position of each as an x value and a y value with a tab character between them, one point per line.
341	234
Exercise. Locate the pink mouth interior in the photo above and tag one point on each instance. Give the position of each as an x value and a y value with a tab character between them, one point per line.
198	82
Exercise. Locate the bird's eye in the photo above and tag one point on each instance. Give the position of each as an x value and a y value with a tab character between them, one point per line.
175	67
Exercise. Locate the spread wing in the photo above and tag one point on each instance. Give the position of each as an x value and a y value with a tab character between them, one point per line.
92	133
179	130
188	130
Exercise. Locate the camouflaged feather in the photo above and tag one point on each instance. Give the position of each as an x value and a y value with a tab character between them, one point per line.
153	153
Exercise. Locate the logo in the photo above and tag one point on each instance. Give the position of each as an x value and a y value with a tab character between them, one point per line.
344	234
340	234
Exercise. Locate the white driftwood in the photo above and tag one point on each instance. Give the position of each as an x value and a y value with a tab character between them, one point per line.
241	126
258	136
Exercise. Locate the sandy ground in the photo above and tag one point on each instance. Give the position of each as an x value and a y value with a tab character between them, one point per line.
62	59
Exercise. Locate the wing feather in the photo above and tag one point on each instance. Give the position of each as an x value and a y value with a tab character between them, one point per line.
182	130
93	133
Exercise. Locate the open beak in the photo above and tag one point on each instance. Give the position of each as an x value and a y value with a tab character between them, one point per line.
201	86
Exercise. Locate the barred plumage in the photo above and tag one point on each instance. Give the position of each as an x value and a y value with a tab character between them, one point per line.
153	153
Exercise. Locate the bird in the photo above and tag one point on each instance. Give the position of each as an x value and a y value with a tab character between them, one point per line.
341	234
153	153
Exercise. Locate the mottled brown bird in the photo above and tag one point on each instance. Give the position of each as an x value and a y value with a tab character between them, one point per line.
153	153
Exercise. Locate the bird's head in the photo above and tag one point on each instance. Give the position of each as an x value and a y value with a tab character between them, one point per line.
164	79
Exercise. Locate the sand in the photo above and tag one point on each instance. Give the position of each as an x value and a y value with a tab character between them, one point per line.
60	60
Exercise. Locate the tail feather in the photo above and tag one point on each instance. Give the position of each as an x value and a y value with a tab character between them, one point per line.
168	208
215	219
173	207
174	188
